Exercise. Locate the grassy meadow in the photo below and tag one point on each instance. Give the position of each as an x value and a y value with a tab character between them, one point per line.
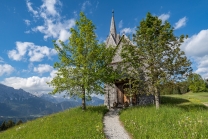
180	116
70	124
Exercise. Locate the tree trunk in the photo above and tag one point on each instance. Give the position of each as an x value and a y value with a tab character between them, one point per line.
157	98
83	100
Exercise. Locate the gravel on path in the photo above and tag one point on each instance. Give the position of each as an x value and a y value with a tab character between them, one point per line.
112	126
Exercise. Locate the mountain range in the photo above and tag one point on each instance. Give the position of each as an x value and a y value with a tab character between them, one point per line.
16	103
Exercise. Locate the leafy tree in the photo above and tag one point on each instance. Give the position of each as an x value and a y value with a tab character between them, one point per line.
175	88
84	63
157	53
196	83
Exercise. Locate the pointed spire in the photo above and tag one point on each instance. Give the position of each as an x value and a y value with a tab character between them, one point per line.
113	27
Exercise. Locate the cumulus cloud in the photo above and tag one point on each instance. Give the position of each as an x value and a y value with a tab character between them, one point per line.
49	7
34	52
181	22
27	22
164	17
6	69
29	6
197	44
120	25
202	66
85	4
128	30
53	73
42	68
54	26
196	48
31	84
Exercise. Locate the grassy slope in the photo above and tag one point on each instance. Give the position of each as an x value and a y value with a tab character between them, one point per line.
73	123
194	97
180	116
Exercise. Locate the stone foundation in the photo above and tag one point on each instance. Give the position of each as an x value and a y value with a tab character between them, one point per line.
145	99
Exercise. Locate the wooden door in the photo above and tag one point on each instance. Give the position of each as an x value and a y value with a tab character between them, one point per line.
120	94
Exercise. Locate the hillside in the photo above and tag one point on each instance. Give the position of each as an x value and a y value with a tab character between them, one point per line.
180	116
18	104
73	123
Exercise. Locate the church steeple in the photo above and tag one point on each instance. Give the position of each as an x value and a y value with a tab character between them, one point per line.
113	27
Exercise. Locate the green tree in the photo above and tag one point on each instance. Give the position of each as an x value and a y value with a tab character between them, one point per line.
19	122
10	124
84	63
175	88
196	83
3	126
157	53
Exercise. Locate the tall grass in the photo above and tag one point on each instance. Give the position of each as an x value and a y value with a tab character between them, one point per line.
70	124
176	118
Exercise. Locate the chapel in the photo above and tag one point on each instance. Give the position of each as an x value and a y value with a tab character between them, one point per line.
116	94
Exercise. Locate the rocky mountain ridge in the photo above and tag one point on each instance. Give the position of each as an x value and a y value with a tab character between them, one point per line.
19	103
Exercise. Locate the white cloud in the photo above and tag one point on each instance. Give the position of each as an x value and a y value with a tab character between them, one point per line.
85	4
53	73
64	35
1	59
6	69
54	26
181	22
31	84
29	6
49	7
42	68
202	66
196	48
196	45
35	53
128	30
27	22
164	17
21	49
120	25
56	30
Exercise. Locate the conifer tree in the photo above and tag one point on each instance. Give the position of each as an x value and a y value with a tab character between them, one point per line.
19	122
3	126
10	124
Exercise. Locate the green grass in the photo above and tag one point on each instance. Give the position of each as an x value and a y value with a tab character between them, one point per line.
194	97
179	117
70	124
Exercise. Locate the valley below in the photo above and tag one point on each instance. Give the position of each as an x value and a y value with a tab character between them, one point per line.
17	104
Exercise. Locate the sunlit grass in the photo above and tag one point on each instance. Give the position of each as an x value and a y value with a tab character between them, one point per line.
176	118
194	97
70	124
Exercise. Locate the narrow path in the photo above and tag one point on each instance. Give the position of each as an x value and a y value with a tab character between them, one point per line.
112	126
206	104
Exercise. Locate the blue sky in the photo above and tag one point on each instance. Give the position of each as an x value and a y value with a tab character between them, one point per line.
27	28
